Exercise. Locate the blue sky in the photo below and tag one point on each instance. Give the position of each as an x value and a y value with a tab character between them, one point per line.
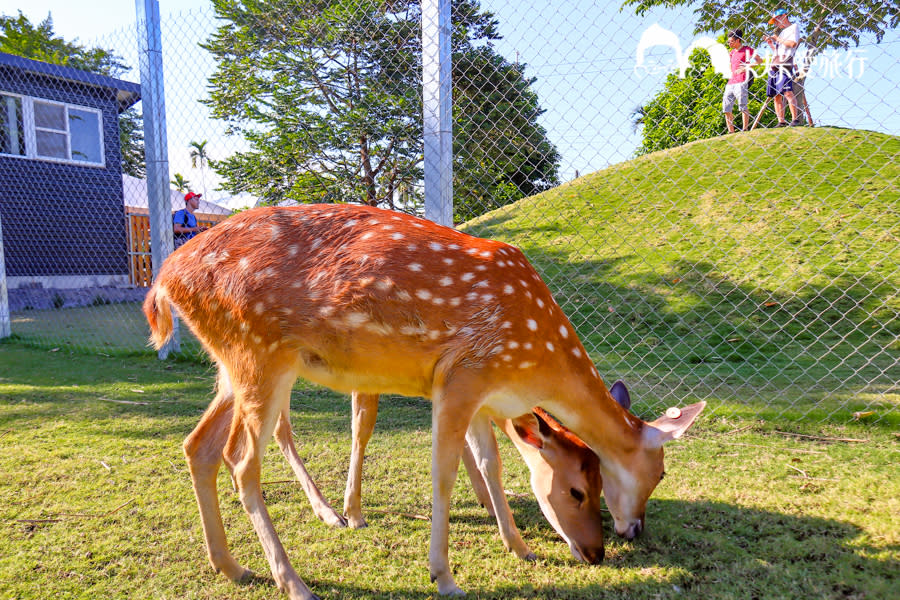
582	52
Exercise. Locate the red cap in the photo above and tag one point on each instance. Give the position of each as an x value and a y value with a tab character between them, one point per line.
190	195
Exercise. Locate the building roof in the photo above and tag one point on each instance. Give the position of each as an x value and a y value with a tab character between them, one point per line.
127	93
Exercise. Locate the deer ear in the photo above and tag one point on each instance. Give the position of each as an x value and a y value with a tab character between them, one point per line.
672	425
529	429
620	393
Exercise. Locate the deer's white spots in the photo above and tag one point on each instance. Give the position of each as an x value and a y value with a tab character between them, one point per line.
356	319
384	284
413	330
471	296
434	334
366	281
508	289
274	346
528	294
448	261
414	267
507	325
482	284
550	347
397	236
526	364
467	277
412	247
274	232
576	351
453	247
506	358
487	298
423	294
417	224
595	373
500	263
403	296
259	308
435	246
485	254
527	346
350	223
481	268
315	244
540	303
293	249
512	345
445	281
455	301
531	324
388	227
438	301
523	283
298	284
255	339
326	311
367	235
564	331
244	264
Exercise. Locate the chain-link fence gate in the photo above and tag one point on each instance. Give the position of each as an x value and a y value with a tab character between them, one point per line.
758	270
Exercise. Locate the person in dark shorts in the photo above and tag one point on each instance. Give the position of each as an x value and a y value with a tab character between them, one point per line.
780	85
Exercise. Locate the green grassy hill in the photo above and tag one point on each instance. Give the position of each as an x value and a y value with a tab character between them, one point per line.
761	264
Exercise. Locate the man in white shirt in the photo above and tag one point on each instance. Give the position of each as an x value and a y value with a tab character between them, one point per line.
780	84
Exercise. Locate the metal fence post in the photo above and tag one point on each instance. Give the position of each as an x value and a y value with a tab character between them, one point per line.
155	143
5	325
437	111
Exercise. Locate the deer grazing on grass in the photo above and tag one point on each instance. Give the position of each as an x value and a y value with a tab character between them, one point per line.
565	478
361	299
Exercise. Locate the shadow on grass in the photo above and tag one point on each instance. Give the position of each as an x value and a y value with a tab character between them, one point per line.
693	549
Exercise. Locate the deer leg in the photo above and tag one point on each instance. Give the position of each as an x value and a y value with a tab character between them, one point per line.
256	410
320	505
478	485
203	451
483	444
365	412
449	421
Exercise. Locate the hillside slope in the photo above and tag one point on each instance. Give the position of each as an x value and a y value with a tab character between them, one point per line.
765	258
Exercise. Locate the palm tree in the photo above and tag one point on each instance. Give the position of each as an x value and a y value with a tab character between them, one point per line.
181	184
200	158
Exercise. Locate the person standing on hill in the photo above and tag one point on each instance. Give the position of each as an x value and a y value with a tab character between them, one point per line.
737	88
780	85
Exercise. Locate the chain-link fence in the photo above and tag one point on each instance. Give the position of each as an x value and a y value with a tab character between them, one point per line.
758	269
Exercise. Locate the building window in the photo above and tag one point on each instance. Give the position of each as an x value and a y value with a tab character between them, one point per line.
12	127
45	130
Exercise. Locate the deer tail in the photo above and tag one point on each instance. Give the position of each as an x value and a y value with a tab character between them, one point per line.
158	311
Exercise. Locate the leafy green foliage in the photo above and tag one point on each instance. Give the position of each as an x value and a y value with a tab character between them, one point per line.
690	108
328	95
20	37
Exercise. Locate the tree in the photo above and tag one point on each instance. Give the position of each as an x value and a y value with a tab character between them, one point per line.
501	153
200	158
328	96
181	184
690	108
20	37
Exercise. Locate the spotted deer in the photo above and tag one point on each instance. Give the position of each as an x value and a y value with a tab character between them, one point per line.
359	298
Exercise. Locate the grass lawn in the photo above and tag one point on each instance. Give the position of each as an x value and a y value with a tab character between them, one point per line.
96	502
